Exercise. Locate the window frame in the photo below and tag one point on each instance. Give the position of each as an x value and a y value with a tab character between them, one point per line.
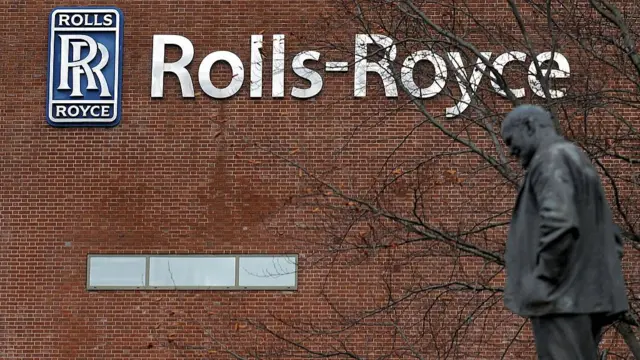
118	287
235	287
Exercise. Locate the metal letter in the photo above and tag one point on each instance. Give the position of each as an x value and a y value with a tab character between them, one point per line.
499	64
237	78
562	72
277	67
312	76
382	67
440	78
461	77
255	89
159	67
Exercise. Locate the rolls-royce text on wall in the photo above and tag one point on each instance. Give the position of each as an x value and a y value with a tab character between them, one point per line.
85	69
362	65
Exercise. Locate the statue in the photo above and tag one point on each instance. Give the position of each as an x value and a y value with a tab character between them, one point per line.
563	253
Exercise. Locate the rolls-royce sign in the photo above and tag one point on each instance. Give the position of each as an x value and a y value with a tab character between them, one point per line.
468	84
86	51
85	67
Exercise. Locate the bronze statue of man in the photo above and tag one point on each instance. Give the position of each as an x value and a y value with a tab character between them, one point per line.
563	254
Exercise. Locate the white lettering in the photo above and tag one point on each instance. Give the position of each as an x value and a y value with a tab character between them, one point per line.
310	75
108	19
80	67
86	20
63	20
277	67
69	111
204	74
61	111
92	22
382	67
159	67
501	61
461	77
256	66
562	72
73	111
440	78
84	109
77	19
467	83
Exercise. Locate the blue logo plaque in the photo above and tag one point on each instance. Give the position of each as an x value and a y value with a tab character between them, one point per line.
84	85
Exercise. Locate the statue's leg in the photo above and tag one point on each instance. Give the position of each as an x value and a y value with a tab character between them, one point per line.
598	323
564	337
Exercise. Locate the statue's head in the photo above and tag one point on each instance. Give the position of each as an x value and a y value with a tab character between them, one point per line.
524	129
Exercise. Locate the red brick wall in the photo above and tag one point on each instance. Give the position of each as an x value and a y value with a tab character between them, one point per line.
182	176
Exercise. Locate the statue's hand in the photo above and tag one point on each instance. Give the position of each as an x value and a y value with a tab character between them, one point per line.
537	291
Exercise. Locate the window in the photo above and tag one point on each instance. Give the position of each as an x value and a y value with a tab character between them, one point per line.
196	272
192	271
261	271
121	271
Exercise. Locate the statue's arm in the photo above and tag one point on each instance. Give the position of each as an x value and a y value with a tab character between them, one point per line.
554	192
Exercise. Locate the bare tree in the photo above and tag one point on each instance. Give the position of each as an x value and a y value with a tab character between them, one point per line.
408	211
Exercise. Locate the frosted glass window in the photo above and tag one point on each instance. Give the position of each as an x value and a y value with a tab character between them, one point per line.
267	271
118	271
191	271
